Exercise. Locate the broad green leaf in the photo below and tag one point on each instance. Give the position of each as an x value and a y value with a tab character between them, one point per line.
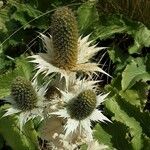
141	39
102	136
136	95
146	142
113	135
11	133
31	133
134	71
104	32
142	117
120	115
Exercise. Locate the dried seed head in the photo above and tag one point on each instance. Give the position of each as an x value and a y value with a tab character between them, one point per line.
82	106
65	38
23	94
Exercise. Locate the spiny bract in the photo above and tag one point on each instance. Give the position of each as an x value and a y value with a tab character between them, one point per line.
65	38
83	105
23	94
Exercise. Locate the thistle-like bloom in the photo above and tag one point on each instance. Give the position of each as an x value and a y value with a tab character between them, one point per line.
66	51
80	108
27	100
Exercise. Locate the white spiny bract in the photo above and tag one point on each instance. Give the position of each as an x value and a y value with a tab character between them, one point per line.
65	51
26	99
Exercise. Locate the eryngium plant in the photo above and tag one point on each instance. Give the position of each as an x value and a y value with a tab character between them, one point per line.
27	100
67	53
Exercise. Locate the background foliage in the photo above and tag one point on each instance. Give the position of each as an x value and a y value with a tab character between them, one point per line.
123	27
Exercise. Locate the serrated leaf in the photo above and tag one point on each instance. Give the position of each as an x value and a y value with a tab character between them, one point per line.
104	32
137	95
113	135
141	39
24	12
135	71
143	118
31	133
135	130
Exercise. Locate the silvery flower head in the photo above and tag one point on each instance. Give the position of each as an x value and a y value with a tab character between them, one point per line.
80	108
67	52
27	100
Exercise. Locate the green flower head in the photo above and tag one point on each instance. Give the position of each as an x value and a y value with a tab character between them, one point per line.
83	105
65	38
23	94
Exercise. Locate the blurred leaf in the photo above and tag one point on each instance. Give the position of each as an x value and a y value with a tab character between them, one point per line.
120	115
141	39
1	142
135	71
102	136
15	138
87	17
137	95
113	135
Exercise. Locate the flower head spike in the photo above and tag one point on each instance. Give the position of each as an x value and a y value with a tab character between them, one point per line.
27	100
66	51
80	109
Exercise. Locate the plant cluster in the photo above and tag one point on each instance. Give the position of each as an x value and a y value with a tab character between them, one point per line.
76	76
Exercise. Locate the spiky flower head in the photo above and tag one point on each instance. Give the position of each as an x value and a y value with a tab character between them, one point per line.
80	108
67	53
26	99
23	94
65	38
85	102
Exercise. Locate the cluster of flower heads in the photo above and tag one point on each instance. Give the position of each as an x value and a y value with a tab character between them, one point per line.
68	104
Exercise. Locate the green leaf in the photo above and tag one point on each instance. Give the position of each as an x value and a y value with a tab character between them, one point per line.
30	132
113	135
120	115
137	95
104	32
134	71
24	13
87	17
102	136
10	131
141	39
143	118
24	67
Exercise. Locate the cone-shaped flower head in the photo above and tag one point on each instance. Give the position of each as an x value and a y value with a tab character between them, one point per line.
65	38
85	102
67	53
27	100
23	94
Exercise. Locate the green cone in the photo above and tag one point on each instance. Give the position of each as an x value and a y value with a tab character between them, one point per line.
23	94
65	38
82	106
